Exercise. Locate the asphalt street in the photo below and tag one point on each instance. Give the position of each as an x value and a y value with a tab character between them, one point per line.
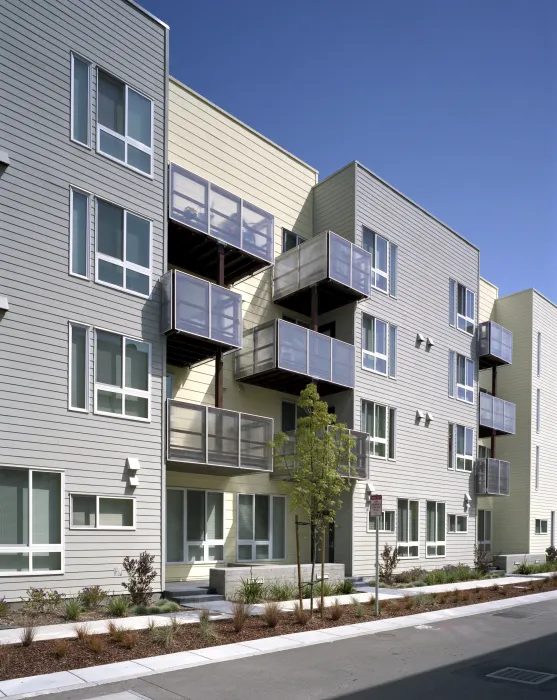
449	659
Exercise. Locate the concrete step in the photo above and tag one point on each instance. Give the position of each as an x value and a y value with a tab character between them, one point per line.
193	599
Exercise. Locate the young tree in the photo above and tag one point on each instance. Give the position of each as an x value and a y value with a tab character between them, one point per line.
315	462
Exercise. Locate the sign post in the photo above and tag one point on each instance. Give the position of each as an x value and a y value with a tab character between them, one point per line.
375	511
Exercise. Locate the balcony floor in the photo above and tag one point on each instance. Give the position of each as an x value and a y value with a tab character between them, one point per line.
211	469
331	295
290	382
184	350
490	361
484	432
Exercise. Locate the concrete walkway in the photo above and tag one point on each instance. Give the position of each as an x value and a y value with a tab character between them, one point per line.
92	677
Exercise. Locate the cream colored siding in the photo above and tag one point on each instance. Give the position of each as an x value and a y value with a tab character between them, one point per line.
488	296
334	206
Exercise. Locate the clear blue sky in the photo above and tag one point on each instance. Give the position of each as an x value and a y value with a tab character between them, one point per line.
454	102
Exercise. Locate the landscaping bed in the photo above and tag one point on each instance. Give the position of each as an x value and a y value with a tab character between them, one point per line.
413	578
93	650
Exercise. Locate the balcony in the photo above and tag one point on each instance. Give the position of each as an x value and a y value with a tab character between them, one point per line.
202	216
198	318
286	357
496	415
495	345
340	270
208	440
492	477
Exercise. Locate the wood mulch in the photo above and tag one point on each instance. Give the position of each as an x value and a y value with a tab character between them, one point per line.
18	618
67	654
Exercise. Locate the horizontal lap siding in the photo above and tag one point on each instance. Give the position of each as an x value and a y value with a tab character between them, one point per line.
34	206
334	206
429	255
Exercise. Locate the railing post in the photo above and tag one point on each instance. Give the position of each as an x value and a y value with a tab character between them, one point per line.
494	394
218	358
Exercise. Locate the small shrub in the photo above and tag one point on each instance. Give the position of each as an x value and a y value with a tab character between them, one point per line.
61	648
91	597
166	606
371	600
410	575
3	607
345	587
41	600
27	635
72	609
524	568
164	636
302	615
83	632
551	554
115	631
494	587
151	624
407	602
482	560
251	590
335	610
280	591
142	610
97	644
271	613
130	639
206	629
117	606
389	556
141	574
359	610
240	615
419	601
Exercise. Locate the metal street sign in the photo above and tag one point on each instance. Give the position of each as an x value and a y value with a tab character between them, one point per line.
375	505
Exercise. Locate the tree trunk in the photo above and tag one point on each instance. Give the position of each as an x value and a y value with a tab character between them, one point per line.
301	598
313	558
323	573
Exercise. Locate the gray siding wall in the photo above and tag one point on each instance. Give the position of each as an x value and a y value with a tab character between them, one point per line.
429	254
37	430
334	205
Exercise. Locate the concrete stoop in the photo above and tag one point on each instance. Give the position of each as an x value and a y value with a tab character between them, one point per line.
188	594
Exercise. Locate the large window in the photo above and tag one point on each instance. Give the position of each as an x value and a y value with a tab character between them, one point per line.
457	524
462	313
289	416
194	526
30	521
261	527
290	240
461	377
102	512
380	422
461	447
79	368
374	344
123	249
80	218
81	101
484	530
408	528
379	249
435	542
122	377
124	124
386	522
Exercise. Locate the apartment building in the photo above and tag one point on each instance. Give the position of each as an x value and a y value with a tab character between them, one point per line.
82	202
523	523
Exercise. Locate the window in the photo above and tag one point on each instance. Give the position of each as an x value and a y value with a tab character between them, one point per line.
538	409
289	416
464	448
290	240
296	321
31	516
450	462
81	101
124	124
123	249
102	512
407	529
435	537
168	386
541	527
484	452
380	422
80	218
484	530
123	376
462	301
458	523
392	351
374	346
393	287
379	249
194	526
539	354
261	527
79	368
463	373
386	522
537	467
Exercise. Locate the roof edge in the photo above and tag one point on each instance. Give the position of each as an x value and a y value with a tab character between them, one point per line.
531	290
243	124
486	281
145	12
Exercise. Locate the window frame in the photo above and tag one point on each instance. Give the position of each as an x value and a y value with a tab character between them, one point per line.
254	542
537	475
382	523
125	138
71	325
468	458
408	543
438	519
89	195
374	270
455	317
31	548
390	411
374	353
538	526
299	240
456	531
465	387
124	264
539	355
483	542
98	498
123	390
486	454
538	409
73	56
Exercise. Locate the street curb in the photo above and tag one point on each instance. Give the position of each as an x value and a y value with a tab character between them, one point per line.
109	673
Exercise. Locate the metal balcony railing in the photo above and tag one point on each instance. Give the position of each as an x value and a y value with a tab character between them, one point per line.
496	414
492	477
495	345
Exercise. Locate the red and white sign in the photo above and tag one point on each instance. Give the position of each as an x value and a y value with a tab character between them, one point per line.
375	505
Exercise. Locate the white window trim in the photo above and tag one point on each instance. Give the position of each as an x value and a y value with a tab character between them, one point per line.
372	438
37	548
413	543
537	473
375	270
200	543
124	264
73	56
462	316
436	543
448	531
97	498
539	354
374	353
457	455
87	275
268	542
72	324
540	521
466	387
123	389
125	139
484	541
382	528
538	410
